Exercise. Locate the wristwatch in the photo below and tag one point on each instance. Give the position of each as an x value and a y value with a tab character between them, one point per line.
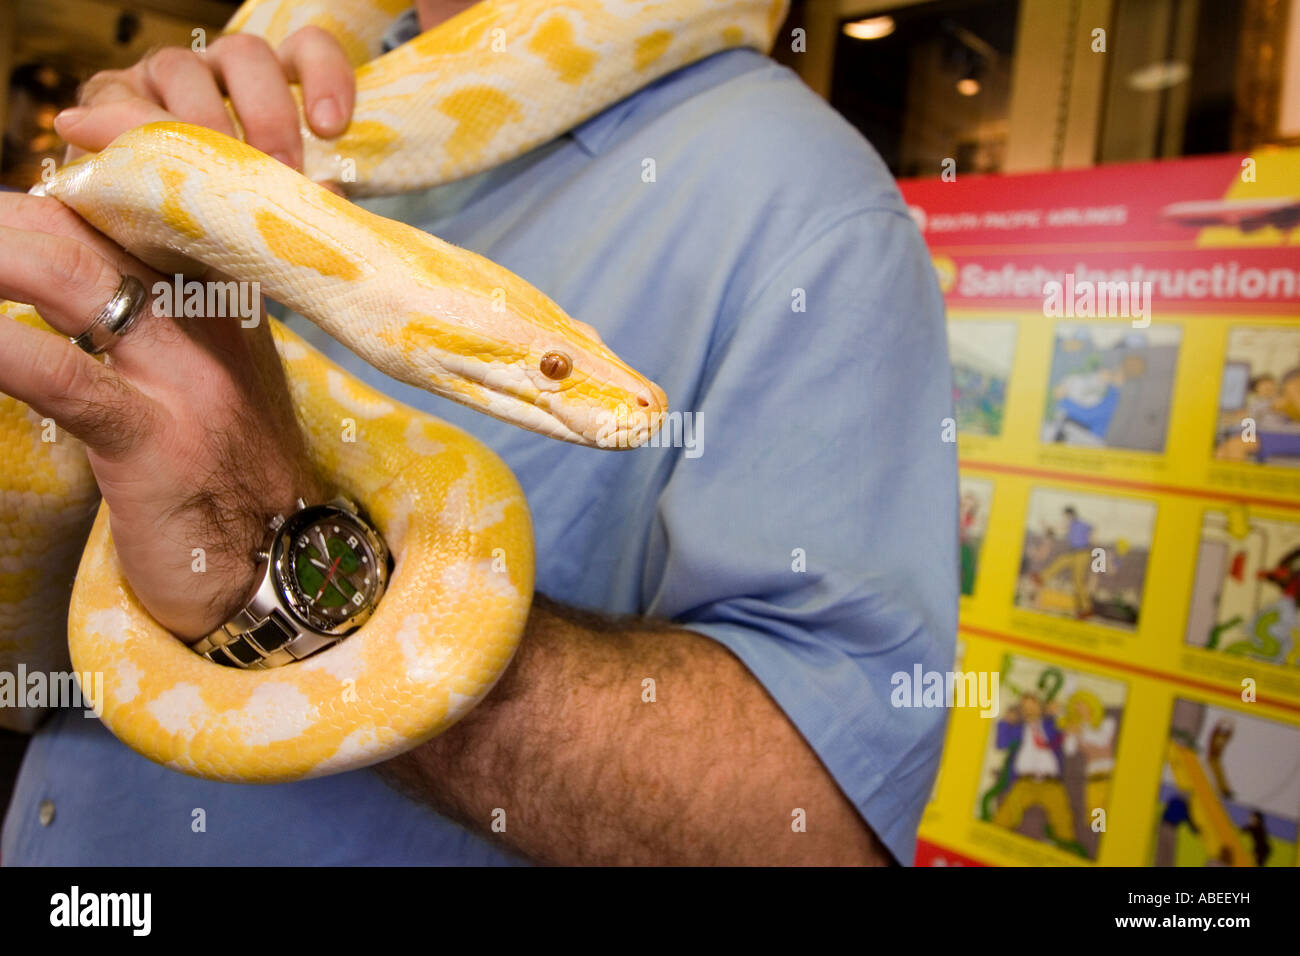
324	569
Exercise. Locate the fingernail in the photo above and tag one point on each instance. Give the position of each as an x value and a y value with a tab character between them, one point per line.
326	115
71	116
286	159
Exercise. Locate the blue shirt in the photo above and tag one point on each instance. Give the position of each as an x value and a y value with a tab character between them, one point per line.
770	279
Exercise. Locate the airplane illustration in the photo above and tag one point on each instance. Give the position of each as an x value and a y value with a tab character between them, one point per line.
1248	215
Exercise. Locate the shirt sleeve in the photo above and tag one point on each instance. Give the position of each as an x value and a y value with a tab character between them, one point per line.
814	533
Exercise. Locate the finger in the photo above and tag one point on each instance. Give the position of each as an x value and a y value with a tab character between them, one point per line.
107	86
91	128
69	283
185	86
87	399
259	90
315	59
43	214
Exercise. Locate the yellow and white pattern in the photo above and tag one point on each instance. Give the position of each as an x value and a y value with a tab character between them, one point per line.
482	88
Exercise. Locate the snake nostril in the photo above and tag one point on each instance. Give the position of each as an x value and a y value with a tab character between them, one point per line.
643	401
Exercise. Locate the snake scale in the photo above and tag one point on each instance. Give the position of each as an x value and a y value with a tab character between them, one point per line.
482	88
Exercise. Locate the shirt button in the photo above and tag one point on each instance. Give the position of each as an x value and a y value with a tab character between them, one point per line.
47	812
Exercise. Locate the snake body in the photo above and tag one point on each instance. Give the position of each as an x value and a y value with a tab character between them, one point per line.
484	87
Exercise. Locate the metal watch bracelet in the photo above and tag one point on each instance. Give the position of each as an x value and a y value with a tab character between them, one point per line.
265	634
259	644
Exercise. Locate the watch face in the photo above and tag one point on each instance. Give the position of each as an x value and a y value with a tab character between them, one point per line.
331	570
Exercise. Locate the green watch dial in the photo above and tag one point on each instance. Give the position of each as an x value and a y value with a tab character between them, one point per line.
325	576
335	573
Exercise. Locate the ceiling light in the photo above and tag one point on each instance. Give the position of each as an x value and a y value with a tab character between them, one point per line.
968	86
872	28
1158	76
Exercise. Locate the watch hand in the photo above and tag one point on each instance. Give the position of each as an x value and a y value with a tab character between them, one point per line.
333	567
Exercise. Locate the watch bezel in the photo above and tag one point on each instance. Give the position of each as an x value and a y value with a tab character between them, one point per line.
282	567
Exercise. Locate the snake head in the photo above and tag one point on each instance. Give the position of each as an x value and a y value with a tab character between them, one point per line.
588	391
460	325
554	377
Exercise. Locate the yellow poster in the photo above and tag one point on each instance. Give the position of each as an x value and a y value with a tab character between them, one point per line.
1125	344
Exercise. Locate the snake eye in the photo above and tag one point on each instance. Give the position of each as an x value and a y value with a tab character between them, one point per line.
556	365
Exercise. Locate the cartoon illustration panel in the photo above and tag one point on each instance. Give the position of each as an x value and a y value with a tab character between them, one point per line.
1050	758
1111	386
1229	790
1259	398
1246	585
981	354
1085	556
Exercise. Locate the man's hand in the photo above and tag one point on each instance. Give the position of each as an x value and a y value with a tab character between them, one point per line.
187	422
176	83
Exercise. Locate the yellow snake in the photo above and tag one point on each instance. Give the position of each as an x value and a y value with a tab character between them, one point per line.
483	87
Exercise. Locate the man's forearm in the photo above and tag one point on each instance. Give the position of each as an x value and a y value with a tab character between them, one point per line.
569	756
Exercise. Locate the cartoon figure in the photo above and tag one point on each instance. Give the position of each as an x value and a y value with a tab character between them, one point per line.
1260	405
1038	551
1177	812
1286	574
970	507
1091	731
1287	401
1077	559
1033	743
1258	833
1261	396
1087	400
1215	747
1271	629
1269	406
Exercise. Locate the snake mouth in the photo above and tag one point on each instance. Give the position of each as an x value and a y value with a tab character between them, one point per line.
605	413
615	422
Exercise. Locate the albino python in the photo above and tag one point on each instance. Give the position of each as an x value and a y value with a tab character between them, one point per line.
482	88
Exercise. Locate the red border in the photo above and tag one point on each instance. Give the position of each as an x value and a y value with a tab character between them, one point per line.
1127	484
932	854
1039	645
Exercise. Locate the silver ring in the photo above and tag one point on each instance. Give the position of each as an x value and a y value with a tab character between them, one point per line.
115	318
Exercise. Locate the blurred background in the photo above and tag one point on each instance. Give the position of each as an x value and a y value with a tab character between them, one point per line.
999	85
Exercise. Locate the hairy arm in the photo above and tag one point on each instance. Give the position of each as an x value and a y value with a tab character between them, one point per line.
588	772
713	771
